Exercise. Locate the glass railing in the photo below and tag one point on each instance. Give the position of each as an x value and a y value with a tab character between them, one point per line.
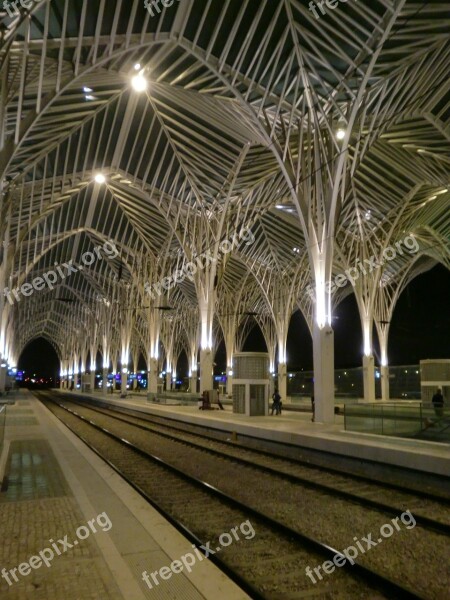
404	419
174	397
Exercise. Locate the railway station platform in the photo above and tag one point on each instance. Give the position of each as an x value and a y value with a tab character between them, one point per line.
296	428
73	528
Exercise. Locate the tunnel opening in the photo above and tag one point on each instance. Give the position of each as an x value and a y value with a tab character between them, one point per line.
38	366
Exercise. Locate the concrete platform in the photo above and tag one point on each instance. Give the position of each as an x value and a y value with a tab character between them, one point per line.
296	428
55	487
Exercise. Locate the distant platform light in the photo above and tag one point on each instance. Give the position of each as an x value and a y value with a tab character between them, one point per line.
100	178
340	134
139	83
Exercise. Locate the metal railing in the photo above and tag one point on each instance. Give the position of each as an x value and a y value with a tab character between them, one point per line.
178	398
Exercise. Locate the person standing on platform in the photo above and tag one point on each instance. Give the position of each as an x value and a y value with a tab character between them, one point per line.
276	405
438	403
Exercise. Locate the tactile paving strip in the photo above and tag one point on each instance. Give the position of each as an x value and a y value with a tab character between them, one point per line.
32	472
19	421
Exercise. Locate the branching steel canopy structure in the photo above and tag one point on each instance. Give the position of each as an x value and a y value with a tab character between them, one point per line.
263	151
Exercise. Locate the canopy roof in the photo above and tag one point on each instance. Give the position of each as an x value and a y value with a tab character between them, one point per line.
236	129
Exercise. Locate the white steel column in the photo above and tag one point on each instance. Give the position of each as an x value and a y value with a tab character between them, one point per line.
169	378
153	319
323	350
153	376
369	378
206	369
61	377
3	376
368	360
92	377
383	333
282	381
193	382
229	380
123	379
105	381
384	372
193	371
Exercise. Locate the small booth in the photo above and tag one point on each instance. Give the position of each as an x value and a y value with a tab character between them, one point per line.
251	383
86	384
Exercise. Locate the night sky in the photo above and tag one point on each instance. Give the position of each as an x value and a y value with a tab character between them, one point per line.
420	329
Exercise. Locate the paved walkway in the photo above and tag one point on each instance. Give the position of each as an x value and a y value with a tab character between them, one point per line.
54	486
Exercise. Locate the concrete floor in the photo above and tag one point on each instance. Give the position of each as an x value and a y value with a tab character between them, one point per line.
53	485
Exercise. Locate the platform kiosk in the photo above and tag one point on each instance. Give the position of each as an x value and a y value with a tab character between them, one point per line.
86	384
251	383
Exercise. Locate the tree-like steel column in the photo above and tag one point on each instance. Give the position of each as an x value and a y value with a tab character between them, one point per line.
153	320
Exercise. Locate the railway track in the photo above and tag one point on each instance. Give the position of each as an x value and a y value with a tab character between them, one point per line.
279	555
279	451
431	512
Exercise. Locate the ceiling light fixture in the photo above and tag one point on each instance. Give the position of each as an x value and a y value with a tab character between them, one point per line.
100	178
139	83
340	134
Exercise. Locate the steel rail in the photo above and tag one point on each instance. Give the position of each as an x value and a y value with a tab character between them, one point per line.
380	581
